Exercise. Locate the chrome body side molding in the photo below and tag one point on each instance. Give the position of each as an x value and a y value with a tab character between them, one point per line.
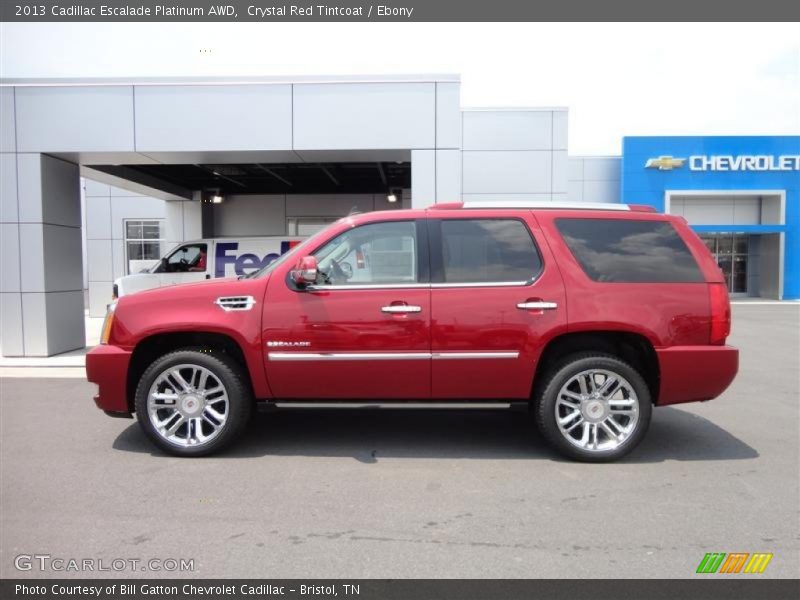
337	356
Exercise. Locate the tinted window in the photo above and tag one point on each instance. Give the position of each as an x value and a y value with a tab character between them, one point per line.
488	251
617	250
379	253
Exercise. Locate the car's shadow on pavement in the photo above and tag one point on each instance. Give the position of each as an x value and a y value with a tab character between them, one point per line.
368	435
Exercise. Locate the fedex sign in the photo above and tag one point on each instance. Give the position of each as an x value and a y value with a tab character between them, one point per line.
227	254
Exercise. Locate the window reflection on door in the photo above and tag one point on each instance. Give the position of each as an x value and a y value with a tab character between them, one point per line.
730	252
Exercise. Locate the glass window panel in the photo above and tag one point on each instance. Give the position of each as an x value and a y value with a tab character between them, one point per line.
134	251
725	244
191	257
711	243
142	243
381	253
133	230
487	251
151	231
151	250
184	254
740	244
621	250
726	264
739	275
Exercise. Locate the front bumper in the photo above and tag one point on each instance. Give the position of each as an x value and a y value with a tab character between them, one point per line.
695	373
107	366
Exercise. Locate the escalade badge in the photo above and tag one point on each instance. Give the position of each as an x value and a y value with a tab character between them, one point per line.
285	344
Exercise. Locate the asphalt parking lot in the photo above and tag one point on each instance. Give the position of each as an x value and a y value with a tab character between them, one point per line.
396	494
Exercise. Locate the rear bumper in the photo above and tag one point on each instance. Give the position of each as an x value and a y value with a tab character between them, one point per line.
107	366
695	373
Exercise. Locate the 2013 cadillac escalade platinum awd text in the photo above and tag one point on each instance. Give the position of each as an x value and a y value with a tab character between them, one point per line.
591	314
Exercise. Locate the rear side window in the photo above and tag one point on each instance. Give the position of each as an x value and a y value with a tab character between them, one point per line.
626	251
487	251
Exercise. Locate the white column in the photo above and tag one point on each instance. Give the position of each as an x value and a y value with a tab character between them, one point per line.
423	178
42	278
99	246
448	176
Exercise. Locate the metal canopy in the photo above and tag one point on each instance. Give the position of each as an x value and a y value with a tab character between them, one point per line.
276	178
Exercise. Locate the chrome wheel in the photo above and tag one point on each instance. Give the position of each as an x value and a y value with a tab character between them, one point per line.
188	405
597	410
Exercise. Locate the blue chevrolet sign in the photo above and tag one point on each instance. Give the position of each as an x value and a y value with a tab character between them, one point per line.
658	169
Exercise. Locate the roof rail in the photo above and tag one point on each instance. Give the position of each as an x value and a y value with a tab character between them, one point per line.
544	204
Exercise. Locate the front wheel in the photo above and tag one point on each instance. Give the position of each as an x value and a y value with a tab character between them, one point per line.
193	403
593	407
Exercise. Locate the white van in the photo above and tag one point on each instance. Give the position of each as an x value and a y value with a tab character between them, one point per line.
207	259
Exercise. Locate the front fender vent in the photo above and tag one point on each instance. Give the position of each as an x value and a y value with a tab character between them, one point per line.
230	303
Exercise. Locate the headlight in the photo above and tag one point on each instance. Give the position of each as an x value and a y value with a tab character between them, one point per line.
107	323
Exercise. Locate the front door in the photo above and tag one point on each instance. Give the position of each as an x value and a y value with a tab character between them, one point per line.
362	331
496	295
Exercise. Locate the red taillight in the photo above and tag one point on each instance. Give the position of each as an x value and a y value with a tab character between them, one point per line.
720	313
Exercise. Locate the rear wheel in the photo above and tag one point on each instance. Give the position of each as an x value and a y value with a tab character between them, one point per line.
193	403
593	407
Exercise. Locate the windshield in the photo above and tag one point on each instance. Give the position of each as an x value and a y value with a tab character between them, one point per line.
158	265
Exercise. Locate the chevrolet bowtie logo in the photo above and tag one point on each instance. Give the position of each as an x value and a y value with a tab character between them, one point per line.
664	163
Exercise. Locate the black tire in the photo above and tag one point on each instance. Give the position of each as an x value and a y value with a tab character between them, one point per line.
227	371
561	373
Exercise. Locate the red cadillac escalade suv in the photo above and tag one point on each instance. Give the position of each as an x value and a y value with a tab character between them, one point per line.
590	314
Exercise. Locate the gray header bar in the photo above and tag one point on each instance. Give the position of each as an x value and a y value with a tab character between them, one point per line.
237	80
394	10
741	588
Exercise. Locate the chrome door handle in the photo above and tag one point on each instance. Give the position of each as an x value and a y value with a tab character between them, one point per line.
537	305
401	308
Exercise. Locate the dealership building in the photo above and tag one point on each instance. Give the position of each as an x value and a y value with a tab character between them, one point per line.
99	178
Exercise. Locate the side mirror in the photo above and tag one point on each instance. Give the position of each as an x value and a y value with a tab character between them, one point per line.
305	272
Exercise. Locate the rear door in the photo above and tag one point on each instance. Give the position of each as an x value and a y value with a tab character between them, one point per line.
496	299
632	272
